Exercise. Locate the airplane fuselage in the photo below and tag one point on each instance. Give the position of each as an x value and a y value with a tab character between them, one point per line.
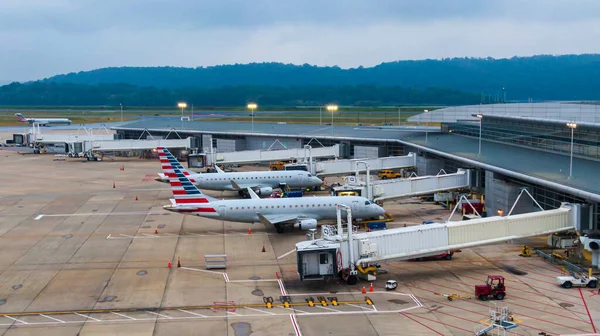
255	180
246	211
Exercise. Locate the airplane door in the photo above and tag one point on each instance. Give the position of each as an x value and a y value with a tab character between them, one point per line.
325	263
222	210
354	208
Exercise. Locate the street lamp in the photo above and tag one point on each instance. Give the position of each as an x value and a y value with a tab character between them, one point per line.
320	115
572	126
480	116
182	105
425	111
252	107
121	111
332	108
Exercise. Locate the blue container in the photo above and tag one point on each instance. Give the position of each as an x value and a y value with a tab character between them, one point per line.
295	193
376	226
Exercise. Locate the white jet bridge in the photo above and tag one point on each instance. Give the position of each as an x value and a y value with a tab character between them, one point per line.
140	144
339	167
272	155
347	255
385	190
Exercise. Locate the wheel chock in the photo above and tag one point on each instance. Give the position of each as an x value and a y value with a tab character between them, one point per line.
322	300
333	300
268	300
311	302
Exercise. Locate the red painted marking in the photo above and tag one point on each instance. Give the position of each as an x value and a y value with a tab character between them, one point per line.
295	324
197	210
587	310
191	200
424	325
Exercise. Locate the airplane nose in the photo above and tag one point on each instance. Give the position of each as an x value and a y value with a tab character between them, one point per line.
380	210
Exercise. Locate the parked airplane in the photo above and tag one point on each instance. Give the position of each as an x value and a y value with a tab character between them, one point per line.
302	212
262	182
44	121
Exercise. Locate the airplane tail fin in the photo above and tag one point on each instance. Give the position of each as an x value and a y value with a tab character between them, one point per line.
21	117
176	164
184	191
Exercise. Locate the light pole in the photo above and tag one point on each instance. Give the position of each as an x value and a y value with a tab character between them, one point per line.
320	116
425	111
121	111
480	116
252	107
332	108
572	126
182	105
399	116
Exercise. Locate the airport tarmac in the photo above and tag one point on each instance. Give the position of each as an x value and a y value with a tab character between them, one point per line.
79	257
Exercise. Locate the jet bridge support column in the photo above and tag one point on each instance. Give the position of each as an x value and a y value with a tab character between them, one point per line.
348	274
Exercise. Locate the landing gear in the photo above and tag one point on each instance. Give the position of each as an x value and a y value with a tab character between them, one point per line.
279	228
352	280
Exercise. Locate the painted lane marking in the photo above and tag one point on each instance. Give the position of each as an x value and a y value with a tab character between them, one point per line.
38	217
133	213
157	314
260	311
286	254
12	318
335	310
295	325
52	318
357	306
189	312
123	315
91	318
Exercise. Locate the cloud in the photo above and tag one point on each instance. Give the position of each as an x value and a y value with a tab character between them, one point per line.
41	38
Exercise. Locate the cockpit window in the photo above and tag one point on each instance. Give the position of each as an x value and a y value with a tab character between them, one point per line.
368	202
309	175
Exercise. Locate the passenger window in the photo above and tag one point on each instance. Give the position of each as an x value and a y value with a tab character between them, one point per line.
237	208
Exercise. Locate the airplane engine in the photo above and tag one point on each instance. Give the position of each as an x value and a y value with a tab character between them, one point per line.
306	224
264	192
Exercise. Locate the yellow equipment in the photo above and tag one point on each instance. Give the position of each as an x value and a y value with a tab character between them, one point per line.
451	297
525	251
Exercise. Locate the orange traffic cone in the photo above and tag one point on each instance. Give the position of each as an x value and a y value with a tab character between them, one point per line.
263	249
364	290
404	224
371	288
249	231
169	265
136	198
113	184
123	167
155	231
178	262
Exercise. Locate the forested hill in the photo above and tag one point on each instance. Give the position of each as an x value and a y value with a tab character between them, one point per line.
567	77
66	94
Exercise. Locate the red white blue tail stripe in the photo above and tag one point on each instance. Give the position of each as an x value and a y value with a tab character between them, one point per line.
184	191
172	161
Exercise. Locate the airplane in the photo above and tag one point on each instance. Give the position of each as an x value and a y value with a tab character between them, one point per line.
44	121
302	212
262	182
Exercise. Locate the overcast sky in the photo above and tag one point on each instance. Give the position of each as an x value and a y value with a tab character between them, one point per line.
41	38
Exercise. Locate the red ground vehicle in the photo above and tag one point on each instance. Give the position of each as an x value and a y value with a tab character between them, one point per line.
494	286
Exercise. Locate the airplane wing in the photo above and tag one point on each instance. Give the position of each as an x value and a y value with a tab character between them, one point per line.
276	219
252	194
236	186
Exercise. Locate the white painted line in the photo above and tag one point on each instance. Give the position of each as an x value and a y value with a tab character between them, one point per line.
150	235
260	311
12	318
129	317
295	325
286	254
157	314
189	312
170	234
335	310
91	318
357	306
52	318
281	287
232	313
215	233
128	236
200	270
259	280
374	308
38	217
302	311
226	277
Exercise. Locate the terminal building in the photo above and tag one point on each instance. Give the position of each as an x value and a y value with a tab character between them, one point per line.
552	149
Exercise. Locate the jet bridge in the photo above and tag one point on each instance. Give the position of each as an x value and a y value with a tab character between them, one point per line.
273	155
385	190
340	167
348	254
140	144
